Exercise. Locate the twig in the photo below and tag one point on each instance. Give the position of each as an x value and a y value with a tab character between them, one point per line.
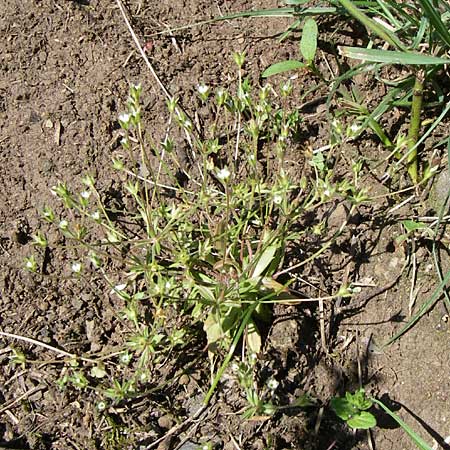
369	296
141	51
176	428
179	111
19	399
46	346
323	338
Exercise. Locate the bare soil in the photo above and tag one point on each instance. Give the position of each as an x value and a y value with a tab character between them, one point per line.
66	67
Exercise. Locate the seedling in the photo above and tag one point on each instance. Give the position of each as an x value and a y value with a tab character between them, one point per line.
193	255
353	410
307	48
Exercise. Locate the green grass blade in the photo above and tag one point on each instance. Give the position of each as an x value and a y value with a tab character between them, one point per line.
424	24
273	12
423	309
391	56
289	30
427	133
385	7
295	2
448	152
435	20
414	436
370	24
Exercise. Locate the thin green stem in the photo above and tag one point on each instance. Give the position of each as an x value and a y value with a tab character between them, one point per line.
414	127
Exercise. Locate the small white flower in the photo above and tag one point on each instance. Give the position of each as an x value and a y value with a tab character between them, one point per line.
76	267
85	194
244	96
120	287
354	127
202	89
187	124
30	264
96	215
272	384
125	358
235	367
63	224
143	377
124	117
101	406
223	174
277	199
286	89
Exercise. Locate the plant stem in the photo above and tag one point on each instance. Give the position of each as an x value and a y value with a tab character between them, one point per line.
414	126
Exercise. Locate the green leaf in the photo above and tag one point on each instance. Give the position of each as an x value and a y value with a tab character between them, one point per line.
360	401
342	408
426	306
412	225
308	42
414	437
253	337
281	67
375	27
212	329
391	57
206	293
264	260
230	319
435	20
362	421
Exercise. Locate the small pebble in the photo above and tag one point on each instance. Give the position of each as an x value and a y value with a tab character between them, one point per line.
165	422
184	380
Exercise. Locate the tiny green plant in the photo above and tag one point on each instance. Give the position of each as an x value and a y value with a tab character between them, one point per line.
307	48
262	401
192	251
259	401
353	410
